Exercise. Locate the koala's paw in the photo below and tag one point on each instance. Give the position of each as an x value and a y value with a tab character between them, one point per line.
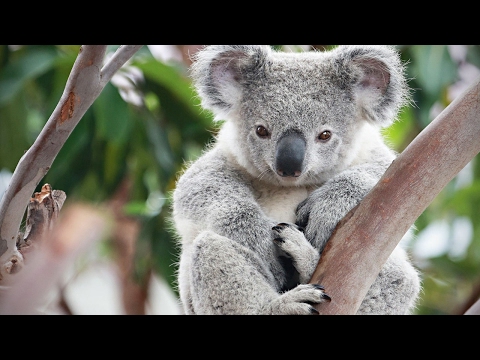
318	217
299	300
291	240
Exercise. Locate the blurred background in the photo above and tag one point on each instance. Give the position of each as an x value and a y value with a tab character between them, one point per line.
130	146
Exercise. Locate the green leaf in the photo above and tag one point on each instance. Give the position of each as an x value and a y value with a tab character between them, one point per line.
397	134
35	62
13	133
113	122
170	78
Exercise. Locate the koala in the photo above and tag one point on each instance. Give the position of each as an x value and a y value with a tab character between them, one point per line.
299	145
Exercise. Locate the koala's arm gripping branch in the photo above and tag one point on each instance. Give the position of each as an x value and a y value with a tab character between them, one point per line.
363	240
86	81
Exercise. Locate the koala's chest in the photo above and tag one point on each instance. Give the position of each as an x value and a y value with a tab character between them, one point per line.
280	203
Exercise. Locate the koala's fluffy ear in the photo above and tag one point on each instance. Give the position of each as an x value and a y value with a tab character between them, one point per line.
380	86
219	71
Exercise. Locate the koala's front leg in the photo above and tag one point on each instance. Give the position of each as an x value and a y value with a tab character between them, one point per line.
327	205
397	286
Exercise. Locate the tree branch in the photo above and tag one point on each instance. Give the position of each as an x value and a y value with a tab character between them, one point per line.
121	56
363	240
474	309
85	83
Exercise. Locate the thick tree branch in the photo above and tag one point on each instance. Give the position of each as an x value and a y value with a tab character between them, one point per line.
474	309
85	83
472	306
365	238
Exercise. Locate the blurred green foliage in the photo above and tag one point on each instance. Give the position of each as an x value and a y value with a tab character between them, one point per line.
147	122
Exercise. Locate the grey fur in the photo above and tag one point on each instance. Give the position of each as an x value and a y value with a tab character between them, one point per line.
235	257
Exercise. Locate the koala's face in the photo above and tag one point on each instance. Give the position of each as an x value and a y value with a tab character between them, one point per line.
298	119
300	136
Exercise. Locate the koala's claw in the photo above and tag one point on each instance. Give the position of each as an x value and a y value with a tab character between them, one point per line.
279	240
281	226
321	287
314	311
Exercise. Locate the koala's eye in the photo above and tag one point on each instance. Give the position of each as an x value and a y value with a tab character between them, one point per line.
324	136
262	132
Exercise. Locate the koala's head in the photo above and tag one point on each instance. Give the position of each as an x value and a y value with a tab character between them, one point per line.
299	118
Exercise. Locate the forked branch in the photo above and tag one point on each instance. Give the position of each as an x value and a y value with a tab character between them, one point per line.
85	83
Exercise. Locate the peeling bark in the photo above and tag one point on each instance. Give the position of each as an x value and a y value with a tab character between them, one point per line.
42	212
67	108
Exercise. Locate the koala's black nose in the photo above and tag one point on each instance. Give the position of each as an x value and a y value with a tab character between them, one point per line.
289	155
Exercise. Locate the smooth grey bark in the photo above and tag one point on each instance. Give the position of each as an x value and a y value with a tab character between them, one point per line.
86	81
